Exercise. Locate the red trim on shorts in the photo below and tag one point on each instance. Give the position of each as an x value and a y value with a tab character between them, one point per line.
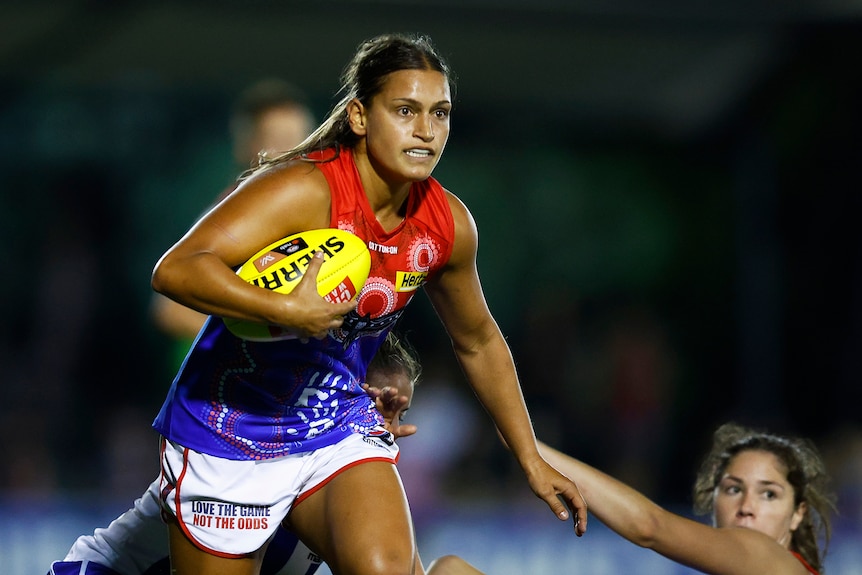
306	494
182	523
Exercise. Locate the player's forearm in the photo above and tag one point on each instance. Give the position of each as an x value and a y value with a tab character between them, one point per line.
492	376
221	293
625	510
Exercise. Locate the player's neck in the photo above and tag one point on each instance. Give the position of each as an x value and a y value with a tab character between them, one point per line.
388	200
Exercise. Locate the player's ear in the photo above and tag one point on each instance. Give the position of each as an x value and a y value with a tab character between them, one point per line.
798	515
356	116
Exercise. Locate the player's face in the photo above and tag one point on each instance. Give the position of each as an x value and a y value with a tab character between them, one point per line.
406	125
754	493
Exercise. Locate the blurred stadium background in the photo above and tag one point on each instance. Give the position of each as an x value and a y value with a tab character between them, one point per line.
669	207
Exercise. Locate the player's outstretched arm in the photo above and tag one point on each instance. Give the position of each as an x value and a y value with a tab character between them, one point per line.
486	360
617	505
728	551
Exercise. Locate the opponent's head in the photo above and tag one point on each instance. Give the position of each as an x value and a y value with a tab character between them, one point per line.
771	483
395	365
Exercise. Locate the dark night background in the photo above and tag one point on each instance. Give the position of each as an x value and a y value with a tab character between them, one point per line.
667	196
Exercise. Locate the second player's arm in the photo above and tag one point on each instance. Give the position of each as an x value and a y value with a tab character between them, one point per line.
734	551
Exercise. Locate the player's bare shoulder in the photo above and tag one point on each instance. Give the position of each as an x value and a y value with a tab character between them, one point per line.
288	188
459	209
466	234
294	175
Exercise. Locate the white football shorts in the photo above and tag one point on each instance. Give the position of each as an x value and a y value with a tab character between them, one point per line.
231	508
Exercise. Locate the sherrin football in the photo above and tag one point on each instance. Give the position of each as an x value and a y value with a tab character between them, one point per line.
281	265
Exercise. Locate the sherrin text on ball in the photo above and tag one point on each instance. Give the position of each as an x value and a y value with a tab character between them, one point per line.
281	265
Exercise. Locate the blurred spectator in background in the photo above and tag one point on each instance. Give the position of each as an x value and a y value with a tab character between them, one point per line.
268	117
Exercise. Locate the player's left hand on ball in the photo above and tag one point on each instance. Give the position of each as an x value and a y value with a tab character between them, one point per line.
561	494
391	405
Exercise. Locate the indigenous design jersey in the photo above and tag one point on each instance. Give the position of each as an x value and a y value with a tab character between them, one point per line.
241	399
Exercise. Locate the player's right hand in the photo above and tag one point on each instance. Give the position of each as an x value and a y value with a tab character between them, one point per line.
310	314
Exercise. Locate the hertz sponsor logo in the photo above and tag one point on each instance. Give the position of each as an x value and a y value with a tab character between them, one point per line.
409	281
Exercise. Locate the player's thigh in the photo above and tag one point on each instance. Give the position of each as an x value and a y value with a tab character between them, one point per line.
187	559
359	522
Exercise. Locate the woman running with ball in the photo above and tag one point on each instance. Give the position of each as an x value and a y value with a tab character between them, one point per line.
258	433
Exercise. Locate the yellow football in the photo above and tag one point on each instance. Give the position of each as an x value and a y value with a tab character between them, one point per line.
281	265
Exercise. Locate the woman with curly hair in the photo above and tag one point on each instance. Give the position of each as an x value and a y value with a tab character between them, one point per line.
767	495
